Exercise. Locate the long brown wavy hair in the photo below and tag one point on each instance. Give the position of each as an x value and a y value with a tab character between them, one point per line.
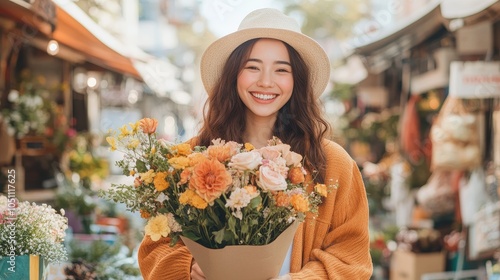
299	123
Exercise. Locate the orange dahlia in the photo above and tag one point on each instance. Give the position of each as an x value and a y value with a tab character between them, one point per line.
210	179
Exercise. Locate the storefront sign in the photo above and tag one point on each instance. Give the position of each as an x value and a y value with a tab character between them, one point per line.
475	79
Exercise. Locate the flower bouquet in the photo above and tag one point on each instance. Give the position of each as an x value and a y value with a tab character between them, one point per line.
31	236
226	195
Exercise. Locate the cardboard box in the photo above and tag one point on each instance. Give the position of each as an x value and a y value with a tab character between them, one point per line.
411	266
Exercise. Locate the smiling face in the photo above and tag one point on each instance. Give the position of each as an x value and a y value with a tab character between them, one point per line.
265	83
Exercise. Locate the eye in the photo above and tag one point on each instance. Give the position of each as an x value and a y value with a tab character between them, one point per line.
283	70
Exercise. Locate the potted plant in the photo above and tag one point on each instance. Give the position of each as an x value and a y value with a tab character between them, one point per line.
31	237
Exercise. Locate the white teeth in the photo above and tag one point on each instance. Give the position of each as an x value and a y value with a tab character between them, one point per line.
264	96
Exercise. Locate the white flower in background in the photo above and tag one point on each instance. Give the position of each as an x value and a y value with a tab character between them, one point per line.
13	96
39	230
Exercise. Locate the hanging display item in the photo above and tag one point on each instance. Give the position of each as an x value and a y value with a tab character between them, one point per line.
455	137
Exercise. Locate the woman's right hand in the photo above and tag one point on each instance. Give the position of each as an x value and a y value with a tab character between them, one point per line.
196	273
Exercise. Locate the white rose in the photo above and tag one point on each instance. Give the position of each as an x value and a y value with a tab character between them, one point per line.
270	180
246	160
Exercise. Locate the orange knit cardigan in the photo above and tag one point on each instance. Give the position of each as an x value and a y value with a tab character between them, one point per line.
334	245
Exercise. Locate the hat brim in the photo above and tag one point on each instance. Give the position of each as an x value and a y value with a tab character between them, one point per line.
215	56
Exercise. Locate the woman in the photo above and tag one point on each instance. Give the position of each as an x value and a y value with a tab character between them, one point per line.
265	80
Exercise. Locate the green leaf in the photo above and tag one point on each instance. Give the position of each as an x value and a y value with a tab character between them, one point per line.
191	235
255	202
219	235
141	166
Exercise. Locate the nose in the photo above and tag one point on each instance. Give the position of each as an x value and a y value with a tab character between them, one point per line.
265	79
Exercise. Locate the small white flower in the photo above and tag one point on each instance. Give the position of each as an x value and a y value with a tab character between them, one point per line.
13	96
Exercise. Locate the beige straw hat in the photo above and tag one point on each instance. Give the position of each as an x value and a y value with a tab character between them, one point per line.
267	23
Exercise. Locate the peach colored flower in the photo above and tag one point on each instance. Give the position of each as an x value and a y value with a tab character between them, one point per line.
185	175
296	175
160	181
182	149
269	152
299	203
246	160
210	179
137	182
221	153
282	199
196	158
270	180
321	189
148	125
252	190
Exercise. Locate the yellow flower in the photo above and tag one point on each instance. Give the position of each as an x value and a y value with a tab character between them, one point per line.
133	144
159	181
157	227
198	202
132	172
124	131
190	197
249	146
153	150
321	189
182	149
185	197
148	176
299	203
134	127
179	162
87	158
112	142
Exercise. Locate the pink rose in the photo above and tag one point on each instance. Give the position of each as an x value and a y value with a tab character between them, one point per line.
270	180
292	158
246	160
269	152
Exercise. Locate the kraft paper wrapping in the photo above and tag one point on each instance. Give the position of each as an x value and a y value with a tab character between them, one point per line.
243	262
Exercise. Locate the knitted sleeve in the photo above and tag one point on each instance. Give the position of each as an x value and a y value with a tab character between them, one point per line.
337	244
157	260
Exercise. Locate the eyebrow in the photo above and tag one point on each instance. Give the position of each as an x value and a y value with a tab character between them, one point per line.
276	62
